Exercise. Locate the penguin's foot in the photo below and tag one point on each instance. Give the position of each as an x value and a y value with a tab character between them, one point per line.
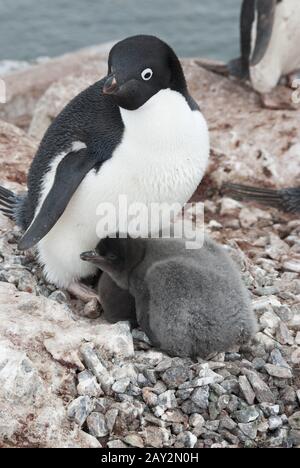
83	292
281	98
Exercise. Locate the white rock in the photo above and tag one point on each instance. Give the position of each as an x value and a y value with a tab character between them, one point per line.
229	206
263	303
269	320
88	385
120	386
292	265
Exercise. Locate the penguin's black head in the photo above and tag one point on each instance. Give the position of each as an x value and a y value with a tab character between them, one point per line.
138	68
117	257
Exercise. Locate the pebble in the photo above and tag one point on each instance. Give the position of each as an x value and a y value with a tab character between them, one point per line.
167	400
93	363
250	430
274	422
120	386
110	418
116	444
80	408
103	404
261	390
269	410
294	420
227	423
88	385
97	426
149	397
246	389
207	377
175	376
291	265
279	372
59	296
155	436
185	440
196	420
200	397
247	415
277	359
295	357
134	440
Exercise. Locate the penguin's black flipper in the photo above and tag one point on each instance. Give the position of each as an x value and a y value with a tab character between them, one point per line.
287	200
264	19
69	174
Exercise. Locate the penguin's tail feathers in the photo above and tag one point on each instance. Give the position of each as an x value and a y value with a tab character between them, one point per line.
235	68
8	203
287	200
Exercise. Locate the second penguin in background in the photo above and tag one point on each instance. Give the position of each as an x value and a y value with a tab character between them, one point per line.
189	302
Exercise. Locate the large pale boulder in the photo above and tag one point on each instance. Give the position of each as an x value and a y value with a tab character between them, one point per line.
25	87
16	153
39	355
59	94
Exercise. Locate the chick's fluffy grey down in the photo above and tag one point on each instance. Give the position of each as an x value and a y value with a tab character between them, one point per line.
188	302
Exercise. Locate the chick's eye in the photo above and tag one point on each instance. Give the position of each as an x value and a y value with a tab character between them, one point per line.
147	74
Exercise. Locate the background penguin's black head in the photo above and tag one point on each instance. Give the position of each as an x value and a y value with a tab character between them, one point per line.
138	68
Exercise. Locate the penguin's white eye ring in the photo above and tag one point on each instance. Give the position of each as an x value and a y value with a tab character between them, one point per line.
147	74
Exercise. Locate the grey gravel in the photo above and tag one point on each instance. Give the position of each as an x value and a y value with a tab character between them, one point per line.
247	397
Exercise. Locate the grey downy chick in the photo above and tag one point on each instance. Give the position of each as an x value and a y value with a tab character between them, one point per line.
117	303
188	302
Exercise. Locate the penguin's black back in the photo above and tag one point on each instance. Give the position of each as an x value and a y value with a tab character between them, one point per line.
88	118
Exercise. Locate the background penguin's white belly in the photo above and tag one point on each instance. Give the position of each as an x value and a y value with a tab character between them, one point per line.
168	171
282	55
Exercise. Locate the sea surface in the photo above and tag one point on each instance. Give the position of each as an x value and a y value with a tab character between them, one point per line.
46	28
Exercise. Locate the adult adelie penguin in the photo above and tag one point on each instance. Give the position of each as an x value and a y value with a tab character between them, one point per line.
269	42
137	132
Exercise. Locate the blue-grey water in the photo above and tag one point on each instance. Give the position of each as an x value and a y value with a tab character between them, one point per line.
35	28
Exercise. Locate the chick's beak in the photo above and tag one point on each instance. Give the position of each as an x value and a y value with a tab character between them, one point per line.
89	256
110	85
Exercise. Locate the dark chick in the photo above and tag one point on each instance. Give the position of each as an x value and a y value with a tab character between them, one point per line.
117	303
188	302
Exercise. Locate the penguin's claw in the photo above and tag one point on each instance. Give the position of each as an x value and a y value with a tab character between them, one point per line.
82	292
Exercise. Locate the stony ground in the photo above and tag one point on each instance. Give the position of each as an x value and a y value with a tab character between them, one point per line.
245	398
69	380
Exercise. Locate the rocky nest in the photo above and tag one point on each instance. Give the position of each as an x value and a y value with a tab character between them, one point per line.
121	392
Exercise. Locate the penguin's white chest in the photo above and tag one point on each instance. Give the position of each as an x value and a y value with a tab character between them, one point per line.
161	159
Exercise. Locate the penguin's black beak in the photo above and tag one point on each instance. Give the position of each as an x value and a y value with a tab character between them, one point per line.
110	85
